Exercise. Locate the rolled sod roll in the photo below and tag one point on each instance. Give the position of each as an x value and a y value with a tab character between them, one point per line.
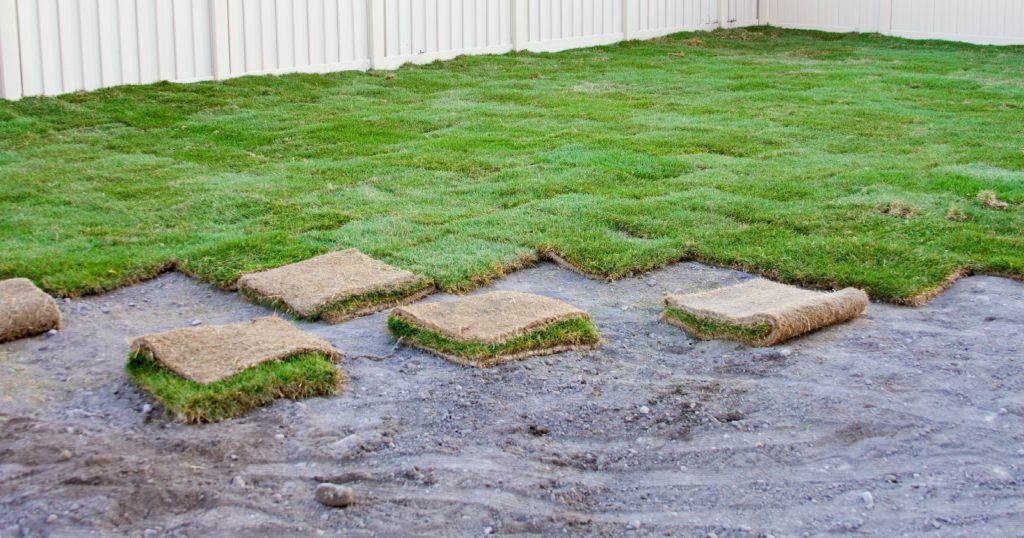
25	310
760	312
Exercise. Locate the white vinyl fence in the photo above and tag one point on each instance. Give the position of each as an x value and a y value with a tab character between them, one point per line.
49	47
987	22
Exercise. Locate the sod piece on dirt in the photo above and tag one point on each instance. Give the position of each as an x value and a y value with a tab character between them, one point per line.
25	310
760	312
205	374
493	328
334	287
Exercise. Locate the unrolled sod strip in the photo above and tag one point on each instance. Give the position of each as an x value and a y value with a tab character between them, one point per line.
761	312
493	328
204	374
334	287
25	310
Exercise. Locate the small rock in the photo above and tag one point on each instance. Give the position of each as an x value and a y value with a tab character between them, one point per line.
147	409
105	310
51	333
488	530
644	410
51	518
197	322
238	482
131	305
652	282
869	499
279	436
334	495
66	454
634	525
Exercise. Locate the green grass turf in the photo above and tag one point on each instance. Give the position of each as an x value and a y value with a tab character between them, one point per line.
302	376
707	328
781	152
570	332
343	309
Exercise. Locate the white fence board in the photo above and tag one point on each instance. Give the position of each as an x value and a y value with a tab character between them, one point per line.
987	22
49	47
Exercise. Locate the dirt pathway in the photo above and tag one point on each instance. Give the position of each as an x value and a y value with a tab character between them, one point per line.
903	422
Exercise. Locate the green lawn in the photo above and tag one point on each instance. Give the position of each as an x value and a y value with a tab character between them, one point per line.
809	157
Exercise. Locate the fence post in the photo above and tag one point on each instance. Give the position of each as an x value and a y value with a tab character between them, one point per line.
520	24
10	56
626	22
375	33
220	45
885	17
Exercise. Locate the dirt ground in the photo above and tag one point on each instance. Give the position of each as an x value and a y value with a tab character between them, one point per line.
905	422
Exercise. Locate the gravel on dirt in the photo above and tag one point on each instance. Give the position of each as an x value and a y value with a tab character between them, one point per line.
655	433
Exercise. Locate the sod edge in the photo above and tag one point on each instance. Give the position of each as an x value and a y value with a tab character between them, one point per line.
707	328
307	375
572	334
348	308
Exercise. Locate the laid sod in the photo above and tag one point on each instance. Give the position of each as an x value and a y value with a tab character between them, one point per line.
761	312
334	287
25	310
493	328
302	376
825	159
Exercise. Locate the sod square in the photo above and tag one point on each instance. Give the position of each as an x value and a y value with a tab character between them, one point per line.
493	328
760	312
25	310
206	374
334	287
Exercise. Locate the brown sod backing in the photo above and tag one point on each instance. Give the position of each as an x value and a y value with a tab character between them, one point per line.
25	310
494	328
489	318
788	311
209	354
311	289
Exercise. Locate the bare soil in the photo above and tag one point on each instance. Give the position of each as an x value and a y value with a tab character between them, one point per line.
902	422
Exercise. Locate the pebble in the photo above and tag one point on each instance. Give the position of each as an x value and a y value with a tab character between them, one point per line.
147	409
634	525
334	495
197	322
869	499
51	518
644	410
238	482
488	530
51	332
